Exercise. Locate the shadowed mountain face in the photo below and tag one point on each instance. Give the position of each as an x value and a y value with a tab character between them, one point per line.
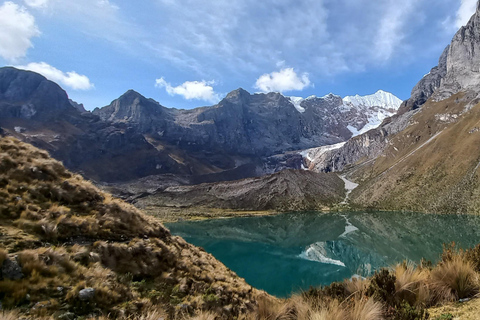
39	111
242	124
134	137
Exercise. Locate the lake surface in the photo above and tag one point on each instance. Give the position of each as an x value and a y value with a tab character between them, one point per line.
291	252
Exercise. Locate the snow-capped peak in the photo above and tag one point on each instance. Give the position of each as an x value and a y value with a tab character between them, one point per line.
381	99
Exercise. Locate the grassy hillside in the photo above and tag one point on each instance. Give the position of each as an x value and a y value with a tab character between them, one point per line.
68	249
431	166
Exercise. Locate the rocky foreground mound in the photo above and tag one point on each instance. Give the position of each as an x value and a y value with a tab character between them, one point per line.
68	249
288	190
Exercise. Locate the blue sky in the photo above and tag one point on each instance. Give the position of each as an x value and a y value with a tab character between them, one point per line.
190	53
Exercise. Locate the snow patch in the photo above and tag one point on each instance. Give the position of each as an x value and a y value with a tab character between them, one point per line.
311	154
296	101
316	252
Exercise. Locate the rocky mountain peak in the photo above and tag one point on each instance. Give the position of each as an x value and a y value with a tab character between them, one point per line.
458	68
235	94
27	94
131	107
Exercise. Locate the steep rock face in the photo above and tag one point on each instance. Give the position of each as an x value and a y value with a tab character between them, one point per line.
254	125
463	60
424	89
362	148
132	107
458	68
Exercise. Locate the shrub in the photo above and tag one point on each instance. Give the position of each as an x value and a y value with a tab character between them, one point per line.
382	287
406	312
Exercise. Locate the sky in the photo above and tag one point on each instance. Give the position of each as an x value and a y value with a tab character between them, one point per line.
191	53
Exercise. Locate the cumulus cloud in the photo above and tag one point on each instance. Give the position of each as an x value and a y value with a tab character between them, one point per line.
191	90
17	28
37	3
465	12
284	80
69	79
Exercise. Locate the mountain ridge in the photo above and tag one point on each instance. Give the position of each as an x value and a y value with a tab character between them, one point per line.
244	135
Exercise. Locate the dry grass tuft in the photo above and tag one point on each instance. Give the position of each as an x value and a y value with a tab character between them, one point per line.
366	309
267	306
411	284
332	311
9	315
295	308
356	286
454	279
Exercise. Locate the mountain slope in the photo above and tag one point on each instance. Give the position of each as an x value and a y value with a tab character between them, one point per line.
68	248
288	190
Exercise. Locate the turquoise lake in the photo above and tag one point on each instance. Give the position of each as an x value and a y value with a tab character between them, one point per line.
288	253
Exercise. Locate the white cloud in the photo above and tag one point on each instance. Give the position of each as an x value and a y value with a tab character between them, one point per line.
70	79
390	32
37	3
191	90
17	28
284	80
465	12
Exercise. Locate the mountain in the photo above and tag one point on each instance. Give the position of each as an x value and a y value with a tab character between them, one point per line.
425	158
251	125
244	135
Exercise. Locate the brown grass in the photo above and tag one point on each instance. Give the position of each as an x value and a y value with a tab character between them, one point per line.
453	280
332	311
411	284
366	309
356	286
